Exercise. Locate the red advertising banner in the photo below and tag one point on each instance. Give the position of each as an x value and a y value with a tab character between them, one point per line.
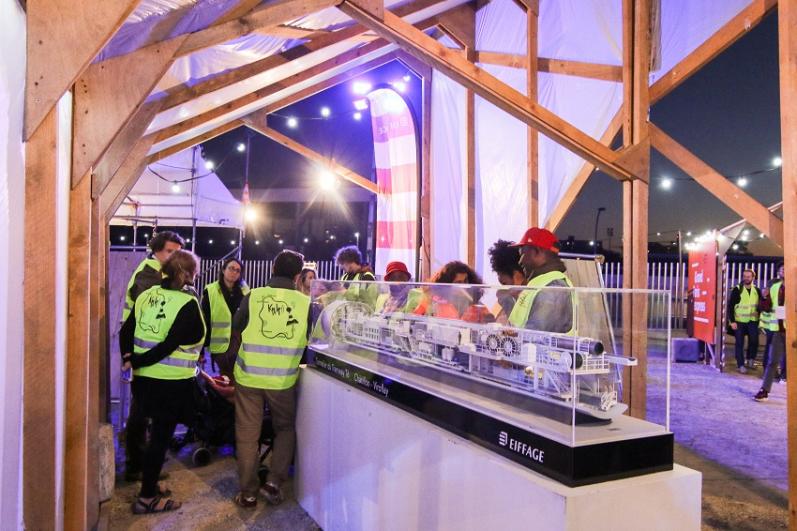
703	287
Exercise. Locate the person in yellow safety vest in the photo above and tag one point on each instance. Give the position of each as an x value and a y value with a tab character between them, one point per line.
350	260
161	341
769	323
147	274
271	328
775	302
547	310
743	319
504	261
399	297
220	301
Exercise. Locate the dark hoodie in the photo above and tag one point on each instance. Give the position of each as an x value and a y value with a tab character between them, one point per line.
552	310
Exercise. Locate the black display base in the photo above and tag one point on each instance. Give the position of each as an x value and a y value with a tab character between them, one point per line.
572	466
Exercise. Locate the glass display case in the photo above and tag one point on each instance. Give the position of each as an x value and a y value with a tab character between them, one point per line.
535	374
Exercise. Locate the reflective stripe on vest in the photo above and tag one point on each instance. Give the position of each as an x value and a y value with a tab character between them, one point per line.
774	294
274	339
520	312
156	310
129	302
745	311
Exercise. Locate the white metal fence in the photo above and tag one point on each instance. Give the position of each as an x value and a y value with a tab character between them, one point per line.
257	272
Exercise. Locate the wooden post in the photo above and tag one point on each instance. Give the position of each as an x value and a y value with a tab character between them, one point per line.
532	27
40	284
636	66
426	190
470	175
81	467
787	43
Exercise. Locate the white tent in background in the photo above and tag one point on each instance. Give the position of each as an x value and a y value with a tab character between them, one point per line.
166	194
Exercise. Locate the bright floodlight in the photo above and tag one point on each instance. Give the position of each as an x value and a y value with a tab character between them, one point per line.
357	116
209	165
666	183
361	105
250	214
400	86
777	162
735	247
241	147
742	182
689	233
327	180
325	112
406	78
292	122
361	88
175	188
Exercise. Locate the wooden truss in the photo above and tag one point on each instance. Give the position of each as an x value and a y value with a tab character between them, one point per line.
112	143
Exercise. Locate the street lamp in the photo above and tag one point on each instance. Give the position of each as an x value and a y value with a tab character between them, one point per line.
597	218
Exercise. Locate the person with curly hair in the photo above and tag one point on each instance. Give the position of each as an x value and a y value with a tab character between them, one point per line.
450	302
505	262
355	272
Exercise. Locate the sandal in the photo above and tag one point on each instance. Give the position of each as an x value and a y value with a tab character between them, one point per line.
139	507
163	492
245	502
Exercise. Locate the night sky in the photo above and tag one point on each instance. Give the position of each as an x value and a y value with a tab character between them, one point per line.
727	114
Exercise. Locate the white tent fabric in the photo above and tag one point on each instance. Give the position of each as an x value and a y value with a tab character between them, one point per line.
204	199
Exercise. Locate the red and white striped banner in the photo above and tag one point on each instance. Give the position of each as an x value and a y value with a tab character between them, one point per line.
395	154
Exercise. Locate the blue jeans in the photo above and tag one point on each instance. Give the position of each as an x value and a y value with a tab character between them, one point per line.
768	352
749	329
776	358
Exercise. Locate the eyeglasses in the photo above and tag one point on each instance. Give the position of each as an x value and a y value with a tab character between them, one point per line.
234	269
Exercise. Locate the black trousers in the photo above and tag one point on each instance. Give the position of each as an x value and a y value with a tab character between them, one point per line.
749	329
135	437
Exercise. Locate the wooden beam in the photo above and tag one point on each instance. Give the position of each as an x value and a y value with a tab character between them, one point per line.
63	36
108	96
731	195
470	175
787	44
426	180
118	151
488	87
242	8
268	90
637	39
565	67
191	142
257	122
316	41
460	24
124	178
40	283
565	204
532	137
729	33
330	82
423	70
269	16
721	40
81	468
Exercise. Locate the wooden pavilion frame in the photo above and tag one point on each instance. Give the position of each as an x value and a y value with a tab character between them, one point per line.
110	149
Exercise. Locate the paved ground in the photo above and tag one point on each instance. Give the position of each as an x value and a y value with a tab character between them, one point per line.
738	444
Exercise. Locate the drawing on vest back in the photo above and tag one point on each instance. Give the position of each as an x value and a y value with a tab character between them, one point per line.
152	313
276	318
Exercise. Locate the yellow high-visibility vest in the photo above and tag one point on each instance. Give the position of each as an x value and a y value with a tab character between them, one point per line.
745	311
220	318
274	339
520	312
156	310
128	307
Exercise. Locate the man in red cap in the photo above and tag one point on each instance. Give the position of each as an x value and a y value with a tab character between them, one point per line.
400	298
548	310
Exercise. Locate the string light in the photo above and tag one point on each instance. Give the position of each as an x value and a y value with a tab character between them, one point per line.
777	162
742	182
406	78
292	122
306	240
257	242
281	242
241	147
357	116
210	242
122	238
325	112
361	105
361	88
175	188
209	165
666	183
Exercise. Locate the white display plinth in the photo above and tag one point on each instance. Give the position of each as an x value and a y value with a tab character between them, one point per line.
364	464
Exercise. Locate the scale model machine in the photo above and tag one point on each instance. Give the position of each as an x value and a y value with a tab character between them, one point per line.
533	363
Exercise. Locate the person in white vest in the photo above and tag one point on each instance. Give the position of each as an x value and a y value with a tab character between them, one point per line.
271	327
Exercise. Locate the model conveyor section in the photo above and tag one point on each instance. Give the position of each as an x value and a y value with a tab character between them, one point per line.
558	368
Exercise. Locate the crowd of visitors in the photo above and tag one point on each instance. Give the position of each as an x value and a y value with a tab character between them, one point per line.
255	338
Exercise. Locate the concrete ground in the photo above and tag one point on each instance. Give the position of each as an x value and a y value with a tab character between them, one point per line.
738	444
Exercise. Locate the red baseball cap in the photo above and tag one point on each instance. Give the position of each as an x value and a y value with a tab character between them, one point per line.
542	238
395	267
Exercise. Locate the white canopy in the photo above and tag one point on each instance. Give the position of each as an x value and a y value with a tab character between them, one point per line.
166	194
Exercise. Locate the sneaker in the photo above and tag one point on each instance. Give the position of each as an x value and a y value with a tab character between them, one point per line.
245	502
742	369
272	493
761	396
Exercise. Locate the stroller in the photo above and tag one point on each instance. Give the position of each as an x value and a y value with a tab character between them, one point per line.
214	423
